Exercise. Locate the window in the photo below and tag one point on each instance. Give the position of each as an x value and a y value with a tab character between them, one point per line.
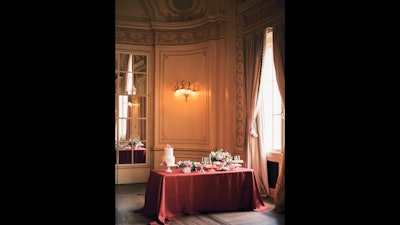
271	108
131	107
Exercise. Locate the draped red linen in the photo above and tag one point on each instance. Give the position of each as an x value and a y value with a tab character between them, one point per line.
172	194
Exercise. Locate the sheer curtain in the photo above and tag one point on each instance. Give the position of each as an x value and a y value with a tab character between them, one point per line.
255	159
279	61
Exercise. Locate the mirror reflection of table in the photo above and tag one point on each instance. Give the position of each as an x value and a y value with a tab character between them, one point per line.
125	155
171	194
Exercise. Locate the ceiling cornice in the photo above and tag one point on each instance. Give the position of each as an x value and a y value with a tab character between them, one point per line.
188	24
150	25
132	24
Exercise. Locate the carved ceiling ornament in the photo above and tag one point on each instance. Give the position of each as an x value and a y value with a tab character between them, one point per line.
161	37
262	13
133	36
184	10
210	31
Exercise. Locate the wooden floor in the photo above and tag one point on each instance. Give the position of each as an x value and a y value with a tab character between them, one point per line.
130	197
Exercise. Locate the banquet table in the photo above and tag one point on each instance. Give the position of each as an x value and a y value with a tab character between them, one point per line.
172	194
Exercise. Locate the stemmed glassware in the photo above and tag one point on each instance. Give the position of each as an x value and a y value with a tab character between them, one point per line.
203	161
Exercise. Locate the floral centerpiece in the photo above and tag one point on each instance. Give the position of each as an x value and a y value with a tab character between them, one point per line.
186	165
183	164
220	159
137	144
220	156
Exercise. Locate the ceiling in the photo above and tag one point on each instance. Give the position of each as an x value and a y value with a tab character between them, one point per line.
166	10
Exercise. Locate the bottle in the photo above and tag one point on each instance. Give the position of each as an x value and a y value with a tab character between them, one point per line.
193	167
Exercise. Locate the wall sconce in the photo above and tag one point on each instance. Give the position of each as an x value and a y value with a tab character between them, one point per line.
185	88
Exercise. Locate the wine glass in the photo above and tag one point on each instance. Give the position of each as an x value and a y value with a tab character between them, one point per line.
203	161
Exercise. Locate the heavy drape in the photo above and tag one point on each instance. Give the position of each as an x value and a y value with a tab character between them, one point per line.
279	60
253	57
256	159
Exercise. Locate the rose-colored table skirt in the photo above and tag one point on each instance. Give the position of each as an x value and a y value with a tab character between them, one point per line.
174	194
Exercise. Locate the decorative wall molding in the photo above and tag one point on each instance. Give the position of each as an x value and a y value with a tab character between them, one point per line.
262	14
240	101
215	18
184	124
211	31
171	33
133	36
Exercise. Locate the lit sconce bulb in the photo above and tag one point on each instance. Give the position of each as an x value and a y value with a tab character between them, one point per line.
185	88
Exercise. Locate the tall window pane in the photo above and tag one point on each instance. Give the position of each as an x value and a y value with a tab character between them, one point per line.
270	99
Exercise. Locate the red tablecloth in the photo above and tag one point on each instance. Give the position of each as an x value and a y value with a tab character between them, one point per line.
175	193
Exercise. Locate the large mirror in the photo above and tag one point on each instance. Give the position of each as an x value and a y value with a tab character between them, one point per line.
130	108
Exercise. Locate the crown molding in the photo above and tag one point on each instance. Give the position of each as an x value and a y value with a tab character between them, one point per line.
126	23
150	25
